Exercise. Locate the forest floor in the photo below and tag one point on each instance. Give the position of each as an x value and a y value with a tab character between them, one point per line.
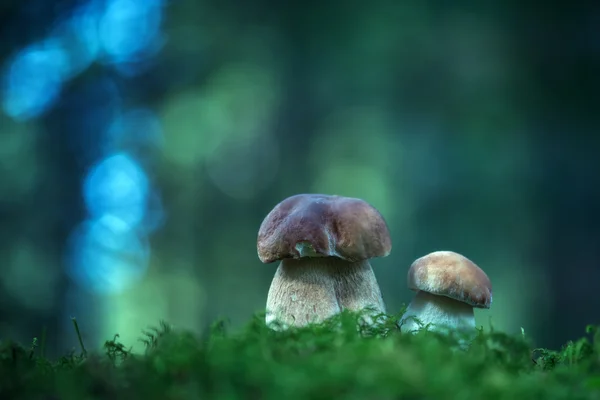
333	360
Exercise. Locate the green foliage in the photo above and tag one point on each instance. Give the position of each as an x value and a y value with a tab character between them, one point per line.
340	358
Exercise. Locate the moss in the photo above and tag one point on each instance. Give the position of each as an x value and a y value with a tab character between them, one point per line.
332	360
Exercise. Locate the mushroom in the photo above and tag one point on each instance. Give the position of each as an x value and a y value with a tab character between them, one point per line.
448	287
324	243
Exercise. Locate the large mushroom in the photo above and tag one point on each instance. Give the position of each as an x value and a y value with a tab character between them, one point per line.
449	286
324	244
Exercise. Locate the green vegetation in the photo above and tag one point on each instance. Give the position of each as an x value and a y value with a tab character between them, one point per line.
333	360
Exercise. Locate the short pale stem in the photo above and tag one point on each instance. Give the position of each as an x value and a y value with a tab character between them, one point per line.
440	311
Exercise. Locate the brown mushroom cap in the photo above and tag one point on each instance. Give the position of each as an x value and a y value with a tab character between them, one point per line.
333	226
446	273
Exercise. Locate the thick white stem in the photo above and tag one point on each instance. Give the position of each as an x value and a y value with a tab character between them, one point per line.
312	289
442	312
300	294
357	288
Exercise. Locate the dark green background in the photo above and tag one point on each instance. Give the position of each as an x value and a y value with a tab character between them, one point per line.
472	128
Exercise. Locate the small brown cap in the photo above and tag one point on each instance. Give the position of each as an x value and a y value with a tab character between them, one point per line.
330	226
445	273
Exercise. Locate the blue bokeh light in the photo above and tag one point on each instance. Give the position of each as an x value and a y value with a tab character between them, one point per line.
78	33
123	31
34	79
108	252
130	29
118	186
107	256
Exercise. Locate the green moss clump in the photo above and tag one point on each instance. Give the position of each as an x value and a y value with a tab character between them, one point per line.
333	360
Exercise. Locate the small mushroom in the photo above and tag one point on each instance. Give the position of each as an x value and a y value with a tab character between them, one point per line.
448	287
324	243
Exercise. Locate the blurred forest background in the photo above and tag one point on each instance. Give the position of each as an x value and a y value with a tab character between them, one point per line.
142	142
